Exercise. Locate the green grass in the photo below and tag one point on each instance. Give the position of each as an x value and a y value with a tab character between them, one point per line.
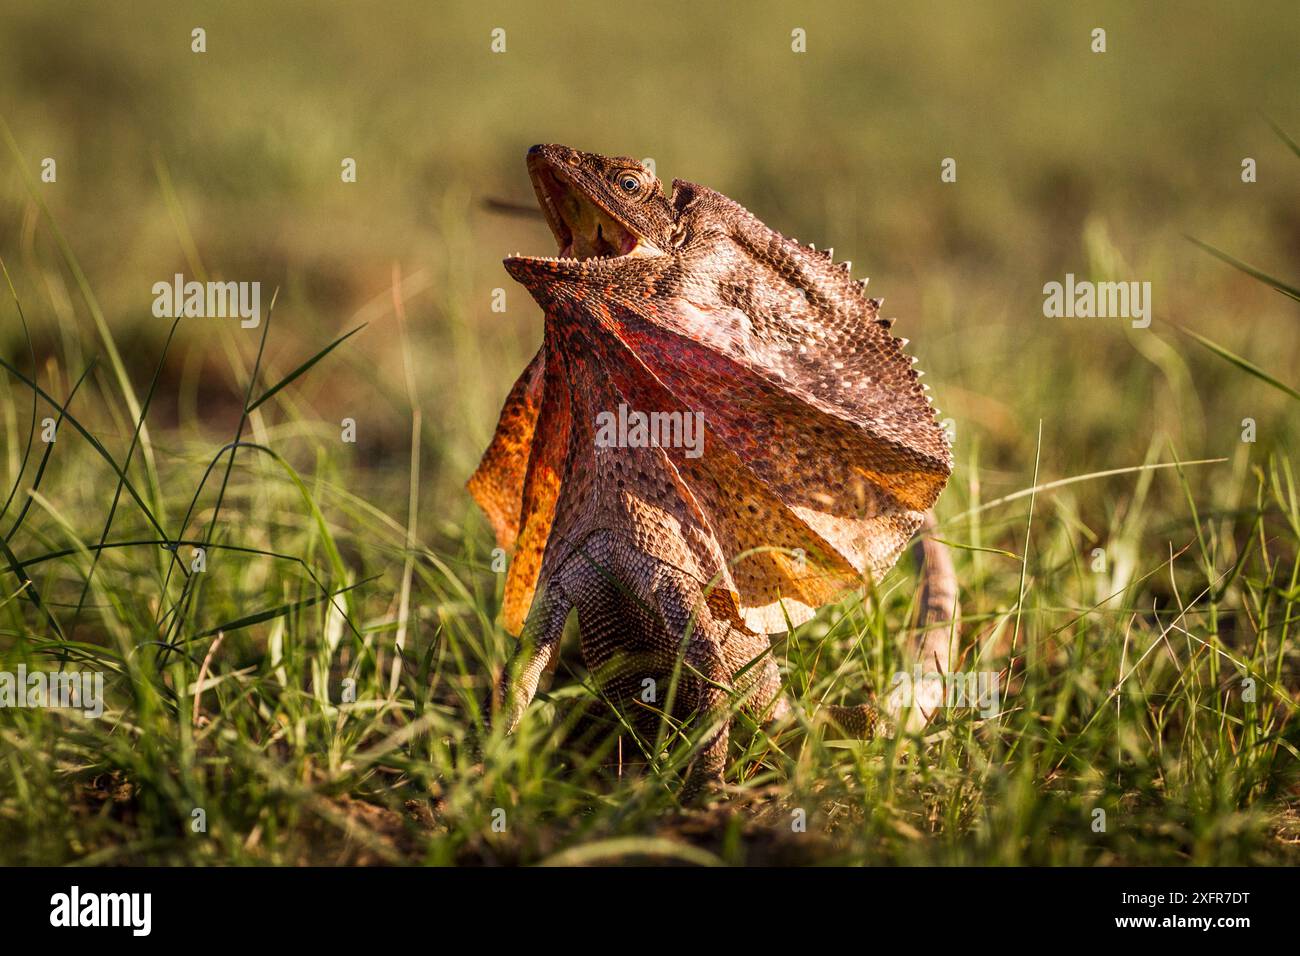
226	687
1125	686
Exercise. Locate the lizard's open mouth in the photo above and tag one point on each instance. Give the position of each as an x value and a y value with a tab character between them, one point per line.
583	228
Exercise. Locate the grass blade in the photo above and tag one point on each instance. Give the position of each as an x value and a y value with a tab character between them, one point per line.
1241	363
303	368
1287	290
1282	135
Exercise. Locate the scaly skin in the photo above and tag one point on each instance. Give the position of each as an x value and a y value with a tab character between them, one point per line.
820	458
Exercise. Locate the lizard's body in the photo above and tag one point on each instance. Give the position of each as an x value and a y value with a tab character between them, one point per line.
820	456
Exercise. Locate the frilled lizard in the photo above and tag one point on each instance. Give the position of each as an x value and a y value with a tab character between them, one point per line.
819	460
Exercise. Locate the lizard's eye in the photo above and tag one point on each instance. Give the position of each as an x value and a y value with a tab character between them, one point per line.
629	184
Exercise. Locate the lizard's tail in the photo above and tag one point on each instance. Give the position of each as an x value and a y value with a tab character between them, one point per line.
929	648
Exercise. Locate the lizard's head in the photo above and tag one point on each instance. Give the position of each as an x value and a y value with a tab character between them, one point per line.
620	237
601	210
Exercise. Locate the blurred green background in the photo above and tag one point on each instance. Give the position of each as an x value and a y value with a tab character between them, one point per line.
1096	164
227	164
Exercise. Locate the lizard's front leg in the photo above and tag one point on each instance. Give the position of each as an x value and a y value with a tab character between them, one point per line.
708	670
687	617
538	643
